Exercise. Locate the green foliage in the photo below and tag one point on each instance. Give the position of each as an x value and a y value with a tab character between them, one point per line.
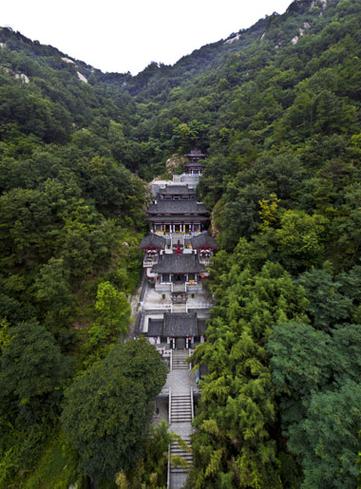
280	125
33	371
328	441
106	412
151	471
237	407
316	376
57	466
112	308
300	238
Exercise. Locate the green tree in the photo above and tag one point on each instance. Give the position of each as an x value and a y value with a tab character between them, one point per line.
112	319
301	239
327	306
328	440
33	372
107	409
53	293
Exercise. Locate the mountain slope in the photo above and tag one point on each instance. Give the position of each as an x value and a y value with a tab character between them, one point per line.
277	108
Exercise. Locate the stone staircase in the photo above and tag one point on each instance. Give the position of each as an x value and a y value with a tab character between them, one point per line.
179	360
180	471
181	409
181	417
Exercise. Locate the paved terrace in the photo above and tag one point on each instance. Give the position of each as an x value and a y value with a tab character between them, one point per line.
153	300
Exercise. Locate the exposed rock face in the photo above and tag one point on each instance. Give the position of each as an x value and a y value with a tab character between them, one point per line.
81	77
22	77
301	33
174	163
233	39
68	61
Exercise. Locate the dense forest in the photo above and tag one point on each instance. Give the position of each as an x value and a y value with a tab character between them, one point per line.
277	110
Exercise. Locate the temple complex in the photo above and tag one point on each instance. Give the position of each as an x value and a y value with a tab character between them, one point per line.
174	305
194	165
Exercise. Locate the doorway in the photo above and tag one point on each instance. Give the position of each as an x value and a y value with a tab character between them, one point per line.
178	278
180	343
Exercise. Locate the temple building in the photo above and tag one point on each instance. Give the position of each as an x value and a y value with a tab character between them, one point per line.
178	216
194	165
177	192
177	251
152	245
183	270
203	242
176	330
204	245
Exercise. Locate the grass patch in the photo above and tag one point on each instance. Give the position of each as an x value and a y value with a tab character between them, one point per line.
57	467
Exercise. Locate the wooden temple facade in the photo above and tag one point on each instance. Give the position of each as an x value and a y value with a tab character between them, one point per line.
176	210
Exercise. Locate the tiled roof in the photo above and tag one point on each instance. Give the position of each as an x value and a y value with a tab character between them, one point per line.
195	152
176	190
177	207
176	325
180	324
155	327
174	263
153	241
203	241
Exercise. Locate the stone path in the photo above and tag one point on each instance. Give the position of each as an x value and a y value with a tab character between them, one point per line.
180	382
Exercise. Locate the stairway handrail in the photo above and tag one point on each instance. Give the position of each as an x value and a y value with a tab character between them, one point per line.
192	405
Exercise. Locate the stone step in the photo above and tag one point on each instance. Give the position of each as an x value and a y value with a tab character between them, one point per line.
187	463
184	456
180	451
180	470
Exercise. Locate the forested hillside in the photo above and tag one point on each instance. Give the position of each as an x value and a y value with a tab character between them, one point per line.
277	109
71	218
